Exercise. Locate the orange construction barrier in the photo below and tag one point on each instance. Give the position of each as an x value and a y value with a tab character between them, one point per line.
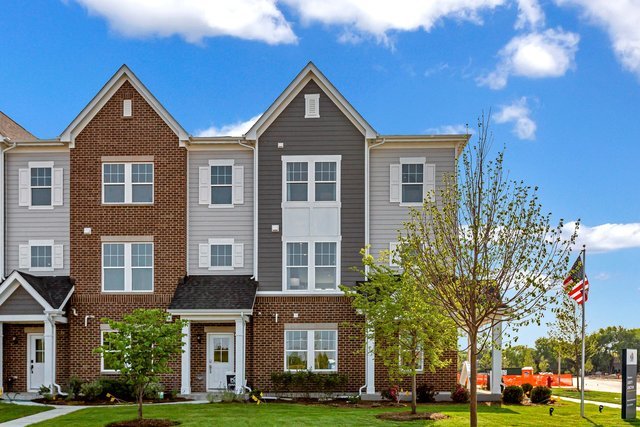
565	380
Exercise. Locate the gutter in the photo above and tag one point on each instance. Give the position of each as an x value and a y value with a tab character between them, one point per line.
2	204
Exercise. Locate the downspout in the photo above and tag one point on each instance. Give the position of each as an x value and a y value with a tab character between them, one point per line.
255	205
2	207
53	361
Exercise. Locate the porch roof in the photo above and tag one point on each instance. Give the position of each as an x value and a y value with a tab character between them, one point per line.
54	289
215	293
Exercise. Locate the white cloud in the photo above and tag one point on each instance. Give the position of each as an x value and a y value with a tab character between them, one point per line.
519	114
620	19
529	14
378	18
550	53
195	19
606	237
233	129
458	129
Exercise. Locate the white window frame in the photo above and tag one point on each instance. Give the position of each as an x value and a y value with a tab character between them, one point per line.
413	161
102	368
311	352
128	184
222	162
311	263
221	242
128	269
38	165
311	180
48	243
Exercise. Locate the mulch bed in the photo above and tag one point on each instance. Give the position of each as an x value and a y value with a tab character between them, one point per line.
64	402
144	423
408	416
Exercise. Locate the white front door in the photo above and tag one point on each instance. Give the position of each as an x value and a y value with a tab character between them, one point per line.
35	361
220	360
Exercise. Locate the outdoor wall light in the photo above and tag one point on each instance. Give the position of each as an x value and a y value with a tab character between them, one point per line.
14	339
281	145
199	338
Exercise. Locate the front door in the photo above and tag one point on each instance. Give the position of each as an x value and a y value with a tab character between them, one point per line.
35	361
220	361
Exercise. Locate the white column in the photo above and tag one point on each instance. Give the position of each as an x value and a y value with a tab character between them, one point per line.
49	358
185	387
370	374
496	358
240	326
1	356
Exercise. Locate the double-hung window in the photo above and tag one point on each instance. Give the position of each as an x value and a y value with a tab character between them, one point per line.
325	180
297	181
325	265
311	266
221	184
297	266
109	355
411	181
127	267
312	181
315	350
124	183
40	186
40	255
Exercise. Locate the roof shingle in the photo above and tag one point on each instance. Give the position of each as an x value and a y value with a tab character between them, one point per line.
215	293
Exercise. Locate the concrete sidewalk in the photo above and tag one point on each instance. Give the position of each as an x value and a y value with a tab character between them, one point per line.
42	416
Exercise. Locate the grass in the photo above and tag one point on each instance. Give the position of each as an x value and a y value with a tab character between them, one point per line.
277	414
11	411
596	396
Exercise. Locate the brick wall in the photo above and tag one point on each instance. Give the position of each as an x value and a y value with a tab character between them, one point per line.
109	134
15	355
266	354
443	379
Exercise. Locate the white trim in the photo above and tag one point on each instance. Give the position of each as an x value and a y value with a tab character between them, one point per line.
22	318
108	90
10	281
102	369
128	268
45	165
309	100
40	243
413	161
311	264
129	184
317	293
221	242
310	349
185	360
308	73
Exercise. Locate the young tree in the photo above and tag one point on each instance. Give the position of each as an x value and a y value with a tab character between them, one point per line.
141	347
409	332
484	251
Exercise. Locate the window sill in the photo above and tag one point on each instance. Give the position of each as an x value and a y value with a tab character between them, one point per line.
128	204
312	204
221	268
37	269
41	207
109	372
221	206
127	292
411	204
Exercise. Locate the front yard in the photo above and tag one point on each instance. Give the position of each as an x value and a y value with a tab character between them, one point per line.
276	414
10	411
597	396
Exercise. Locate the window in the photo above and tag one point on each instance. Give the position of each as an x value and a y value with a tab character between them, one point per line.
394	259
221	256
41	186
315	350
297	266
297	185
127	183
41	257
221	185
221	350
325	181
127	267
39	350
312	106
109	356
406	354
325	265
412	183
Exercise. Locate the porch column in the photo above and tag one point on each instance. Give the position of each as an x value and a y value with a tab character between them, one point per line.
240	344
496	358
370	374
49	354
1	356
185	387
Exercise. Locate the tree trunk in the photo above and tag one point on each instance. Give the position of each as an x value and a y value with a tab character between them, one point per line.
140	397
473	383
413	393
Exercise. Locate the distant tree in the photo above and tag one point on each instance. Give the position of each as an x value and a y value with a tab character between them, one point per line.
609	344
141	347
482	248
409	331
546	354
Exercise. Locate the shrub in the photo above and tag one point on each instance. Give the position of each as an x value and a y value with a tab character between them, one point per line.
513	394
307	382
117	388
526	387
392	393
460	394
172	394
354	399
91	390
425	394
540	394
230	396
153	390
44	390
75	384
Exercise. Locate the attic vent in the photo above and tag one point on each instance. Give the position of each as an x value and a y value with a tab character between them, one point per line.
312	106
126	108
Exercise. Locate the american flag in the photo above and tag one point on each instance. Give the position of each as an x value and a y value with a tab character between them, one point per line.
577	283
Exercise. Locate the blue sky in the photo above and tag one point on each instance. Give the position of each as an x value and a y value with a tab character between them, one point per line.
562	78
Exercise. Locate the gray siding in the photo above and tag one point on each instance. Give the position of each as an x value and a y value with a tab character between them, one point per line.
207	223
24	224
386	218
20	302
331	134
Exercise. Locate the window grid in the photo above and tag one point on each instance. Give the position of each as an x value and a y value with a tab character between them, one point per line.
315	350
296	350
297	265
125	183
325	265
297	181
221	185
127	267
41	186
41	257
221	256
412	182
325	181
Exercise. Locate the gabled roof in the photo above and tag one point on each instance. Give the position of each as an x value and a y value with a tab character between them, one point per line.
101	98
51	292
9	128
310	72
215	293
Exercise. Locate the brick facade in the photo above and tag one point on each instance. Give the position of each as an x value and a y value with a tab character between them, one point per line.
442	379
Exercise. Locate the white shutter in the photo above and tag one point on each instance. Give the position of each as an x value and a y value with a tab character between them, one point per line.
203	255
238	185
57	187
58	256
238	255
24	257
429	181
204	192
394	183
24	189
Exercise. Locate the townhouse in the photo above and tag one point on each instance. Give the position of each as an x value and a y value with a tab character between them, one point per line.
246	237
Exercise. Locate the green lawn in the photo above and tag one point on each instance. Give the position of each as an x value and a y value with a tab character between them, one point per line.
597	396
9	411
277	414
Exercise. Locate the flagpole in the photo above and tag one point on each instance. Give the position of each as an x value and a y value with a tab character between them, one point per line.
584	251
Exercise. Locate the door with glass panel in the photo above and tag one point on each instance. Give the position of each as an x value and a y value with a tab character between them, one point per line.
220	360
35	362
